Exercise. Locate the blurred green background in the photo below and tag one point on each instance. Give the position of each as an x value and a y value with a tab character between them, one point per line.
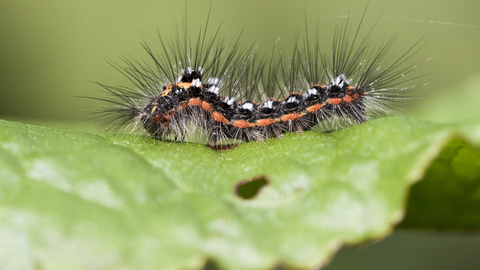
52	50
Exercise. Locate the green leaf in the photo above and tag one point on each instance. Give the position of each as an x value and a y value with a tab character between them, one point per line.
449	195
72	200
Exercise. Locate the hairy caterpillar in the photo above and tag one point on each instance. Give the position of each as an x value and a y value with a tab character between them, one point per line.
232	93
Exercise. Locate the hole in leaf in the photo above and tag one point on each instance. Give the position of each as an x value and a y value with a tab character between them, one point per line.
248	189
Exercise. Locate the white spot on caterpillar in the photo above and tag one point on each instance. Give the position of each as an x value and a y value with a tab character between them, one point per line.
312	91
267	104
196	83
247	106
214	90
229	100
292	100
190	70
340	80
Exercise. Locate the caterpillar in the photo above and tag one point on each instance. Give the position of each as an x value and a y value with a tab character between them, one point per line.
232	93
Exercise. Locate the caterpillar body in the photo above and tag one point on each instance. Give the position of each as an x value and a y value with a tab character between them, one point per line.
232	93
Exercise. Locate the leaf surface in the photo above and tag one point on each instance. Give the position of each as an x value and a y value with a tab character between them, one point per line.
72	200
